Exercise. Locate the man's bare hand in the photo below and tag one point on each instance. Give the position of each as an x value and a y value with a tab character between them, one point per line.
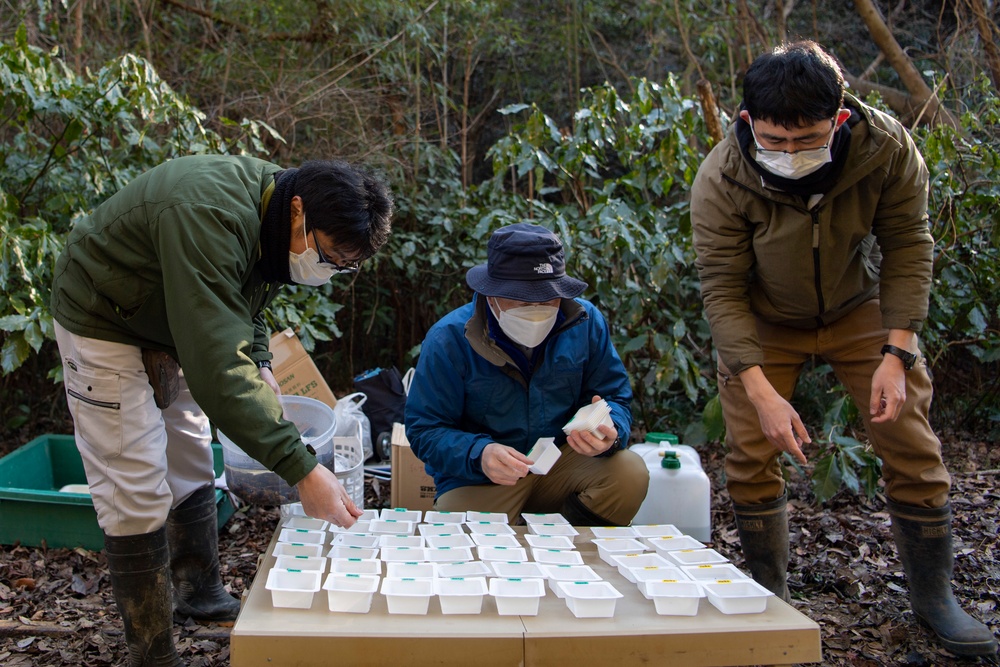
588	444
504	465
324	497
268	377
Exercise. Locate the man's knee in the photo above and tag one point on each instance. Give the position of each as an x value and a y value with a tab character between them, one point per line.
624	489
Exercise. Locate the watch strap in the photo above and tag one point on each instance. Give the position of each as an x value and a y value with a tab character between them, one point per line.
265	363
908	358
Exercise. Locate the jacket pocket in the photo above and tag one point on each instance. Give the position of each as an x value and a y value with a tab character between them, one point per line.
95	401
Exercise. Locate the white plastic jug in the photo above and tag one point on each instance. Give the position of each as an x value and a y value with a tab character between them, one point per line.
679	490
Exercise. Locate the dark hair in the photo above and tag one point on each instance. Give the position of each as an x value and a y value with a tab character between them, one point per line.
348	203
795	85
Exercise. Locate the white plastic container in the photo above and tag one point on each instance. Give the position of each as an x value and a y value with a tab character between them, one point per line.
449	540
589	417
697	557
549	542
590	599
400	541
447	554
433	516
290	549
292	588
400	514
489	528
428	529
543	455
392	527
350	593
556	574
360	540
364	553
557	556
360	527
665	543
485	517
407	596
609	547
472	568
402	554
517	569
356	566
563	529
368	515
713	572
632	568
517	597
744	596
304	563
461	595
304	523
494	540
645	575
612	532
679	490
299	536
410	570
538	517
502	553
656	530
675	598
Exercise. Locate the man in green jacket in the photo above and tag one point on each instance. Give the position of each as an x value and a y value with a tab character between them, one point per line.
175	269
810	227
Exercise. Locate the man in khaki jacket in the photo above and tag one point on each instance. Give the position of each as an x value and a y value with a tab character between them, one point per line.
810	226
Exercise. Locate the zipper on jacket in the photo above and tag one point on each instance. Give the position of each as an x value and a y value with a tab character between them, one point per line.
814	213
100	404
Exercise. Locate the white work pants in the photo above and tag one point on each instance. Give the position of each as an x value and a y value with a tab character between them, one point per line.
140	460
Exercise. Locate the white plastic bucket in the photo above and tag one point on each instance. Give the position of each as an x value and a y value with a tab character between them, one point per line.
680	496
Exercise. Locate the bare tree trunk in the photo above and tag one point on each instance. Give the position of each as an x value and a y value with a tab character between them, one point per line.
710	111
78	35
924	98
988	33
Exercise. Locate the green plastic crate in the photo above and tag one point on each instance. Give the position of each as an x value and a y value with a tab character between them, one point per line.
32	510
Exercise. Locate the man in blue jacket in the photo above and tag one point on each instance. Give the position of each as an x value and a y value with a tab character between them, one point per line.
513	366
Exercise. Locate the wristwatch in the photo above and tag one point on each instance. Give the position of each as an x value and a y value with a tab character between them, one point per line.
908	357
264	363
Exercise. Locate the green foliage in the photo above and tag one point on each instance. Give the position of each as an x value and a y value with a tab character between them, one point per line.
843	461
69	142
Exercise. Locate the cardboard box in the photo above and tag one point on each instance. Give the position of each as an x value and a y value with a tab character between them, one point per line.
33	510
412	487
295	371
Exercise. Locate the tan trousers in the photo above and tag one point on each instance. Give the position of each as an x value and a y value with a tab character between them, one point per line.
611	487
912	467
140	460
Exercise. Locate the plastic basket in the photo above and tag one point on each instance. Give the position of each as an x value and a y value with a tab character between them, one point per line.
349	455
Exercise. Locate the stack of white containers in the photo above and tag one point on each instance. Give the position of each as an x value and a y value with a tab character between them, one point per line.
460	558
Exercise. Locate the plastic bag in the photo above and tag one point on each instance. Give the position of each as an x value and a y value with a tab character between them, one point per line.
353	422
386	398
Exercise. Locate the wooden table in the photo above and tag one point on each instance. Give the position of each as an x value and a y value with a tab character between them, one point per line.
636	635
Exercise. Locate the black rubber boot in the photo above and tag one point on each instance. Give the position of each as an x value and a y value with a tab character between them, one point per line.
193	533
763	533
923	540
578	514
140	577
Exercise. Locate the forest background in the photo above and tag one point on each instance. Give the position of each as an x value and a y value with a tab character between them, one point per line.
588	117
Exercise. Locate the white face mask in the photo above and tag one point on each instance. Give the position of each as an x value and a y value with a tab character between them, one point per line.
305	267
527	325
793	165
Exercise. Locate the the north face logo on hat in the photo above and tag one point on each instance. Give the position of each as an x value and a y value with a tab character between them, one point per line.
544	268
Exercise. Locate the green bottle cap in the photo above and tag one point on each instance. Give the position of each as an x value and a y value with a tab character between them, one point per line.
670	461
657	437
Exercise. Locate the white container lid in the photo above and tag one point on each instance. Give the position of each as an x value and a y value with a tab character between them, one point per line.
472	568
486	527
400	514
352	552
549	541
302	536
494	540
502	553
449	540
485	517
427	529
697	556
356	566
612	532
713	572
552	517
557	556
410	570
744	596
433	516
304	563
517	569
290	549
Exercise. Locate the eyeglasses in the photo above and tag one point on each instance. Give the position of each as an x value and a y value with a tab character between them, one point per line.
348	267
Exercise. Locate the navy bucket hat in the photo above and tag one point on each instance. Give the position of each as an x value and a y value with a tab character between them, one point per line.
524	262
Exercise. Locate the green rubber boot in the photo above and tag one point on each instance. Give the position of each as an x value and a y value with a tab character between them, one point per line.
763	531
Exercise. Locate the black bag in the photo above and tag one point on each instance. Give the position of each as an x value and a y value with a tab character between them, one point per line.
386	401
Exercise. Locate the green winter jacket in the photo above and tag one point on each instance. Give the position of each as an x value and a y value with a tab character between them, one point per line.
765	253
169	262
